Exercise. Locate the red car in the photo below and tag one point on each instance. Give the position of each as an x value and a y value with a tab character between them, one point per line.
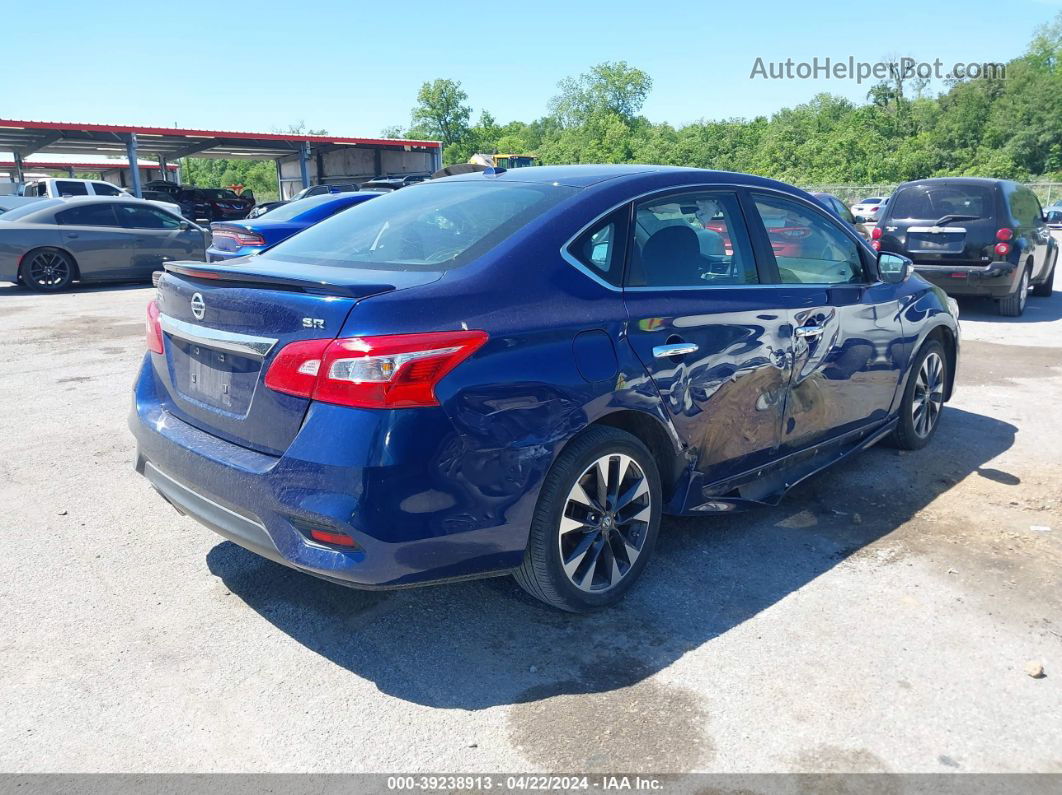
225	205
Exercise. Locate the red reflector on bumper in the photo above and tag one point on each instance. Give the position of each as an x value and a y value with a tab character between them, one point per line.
339	539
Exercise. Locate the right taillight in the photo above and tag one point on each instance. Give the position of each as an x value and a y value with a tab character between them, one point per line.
153	327
386	372
1002	249
875	233
1004	234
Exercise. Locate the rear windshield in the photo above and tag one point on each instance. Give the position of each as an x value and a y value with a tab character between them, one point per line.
31	208
871	201
212	193
932	202
432	226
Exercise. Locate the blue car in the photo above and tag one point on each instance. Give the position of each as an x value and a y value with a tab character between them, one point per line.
231	239
520	372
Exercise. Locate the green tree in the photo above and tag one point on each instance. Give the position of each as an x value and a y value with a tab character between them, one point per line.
440	111
610	87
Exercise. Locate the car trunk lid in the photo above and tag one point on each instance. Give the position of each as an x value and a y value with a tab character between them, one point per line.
223	326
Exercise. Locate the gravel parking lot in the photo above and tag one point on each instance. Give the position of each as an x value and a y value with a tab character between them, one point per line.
880	619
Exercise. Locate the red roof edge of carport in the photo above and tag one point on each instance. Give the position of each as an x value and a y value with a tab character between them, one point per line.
114	128
29	165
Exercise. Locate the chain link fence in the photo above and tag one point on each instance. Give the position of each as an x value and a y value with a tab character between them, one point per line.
1047	192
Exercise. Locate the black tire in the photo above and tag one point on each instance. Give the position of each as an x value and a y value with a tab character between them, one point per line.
1014	304
910	433
605	541
1047	286
48	270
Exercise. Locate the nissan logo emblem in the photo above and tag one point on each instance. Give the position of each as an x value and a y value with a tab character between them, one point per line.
198	307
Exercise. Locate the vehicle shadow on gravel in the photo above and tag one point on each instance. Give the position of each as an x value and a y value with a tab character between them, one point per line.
484	643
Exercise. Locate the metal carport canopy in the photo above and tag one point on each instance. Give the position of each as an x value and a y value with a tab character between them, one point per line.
24	138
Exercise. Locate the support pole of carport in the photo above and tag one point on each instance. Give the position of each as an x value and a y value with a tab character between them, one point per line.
280	181
304	163
438	157
70	171
162	169
20	176
134	164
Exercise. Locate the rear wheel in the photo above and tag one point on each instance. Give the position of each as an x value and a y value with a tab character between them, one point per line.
1045	288
923	399
48	270
1014	304
595	524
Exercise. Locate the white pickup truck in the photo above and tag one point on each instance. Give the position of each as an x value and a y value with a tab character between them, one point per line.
59	188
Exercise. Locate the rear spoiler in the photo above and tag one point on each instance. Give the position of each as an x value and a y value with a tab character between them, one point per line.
226	274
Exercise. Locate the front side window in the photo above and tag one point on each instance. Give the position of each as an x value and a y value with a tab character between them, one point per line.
135	217
434	226
695	239
88	215
808	247
65	187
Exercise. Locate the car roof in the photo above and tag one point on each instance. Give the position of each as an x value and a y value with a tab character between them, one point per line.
649	177
986	181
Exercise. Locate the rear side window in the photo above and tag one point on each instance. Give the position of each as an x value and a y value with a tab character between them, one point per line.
65	187
105	189
33	189
695	239
808	247
434	226
134	217
1025	207
88	215
601	248
935	201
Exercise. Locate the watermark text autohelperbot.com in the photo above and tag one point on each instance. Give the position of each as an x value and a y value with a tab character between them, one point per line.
861	71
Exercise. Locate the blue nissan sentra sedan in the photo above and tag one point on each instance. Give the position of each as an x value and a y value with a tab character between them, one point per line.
520	372
231	239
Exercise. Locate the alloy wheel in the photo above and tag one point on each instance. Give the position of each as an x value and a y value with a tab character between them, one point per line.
928	395
48	269
605	523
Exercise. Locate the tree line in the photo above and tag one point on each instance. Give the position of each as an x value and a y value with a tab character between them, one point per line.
1006	126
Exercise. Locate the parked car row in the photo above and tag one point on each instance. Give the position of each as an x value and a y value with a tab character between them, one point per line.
521	372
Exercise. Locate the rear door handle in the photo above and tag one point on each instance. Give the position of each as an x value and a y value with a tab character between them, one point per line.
808	331
674	349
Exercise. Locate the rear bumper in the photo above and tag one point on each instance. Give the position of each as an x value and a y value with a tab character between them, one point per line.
410	525
996	280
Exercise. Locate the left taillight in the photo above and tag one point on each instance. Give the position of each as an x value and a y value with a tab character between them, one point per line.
153	327
242	238
385	372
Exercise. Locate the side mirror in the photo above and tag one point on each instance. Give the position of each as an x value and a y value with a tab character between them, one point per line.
894	268
860	219
186	226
